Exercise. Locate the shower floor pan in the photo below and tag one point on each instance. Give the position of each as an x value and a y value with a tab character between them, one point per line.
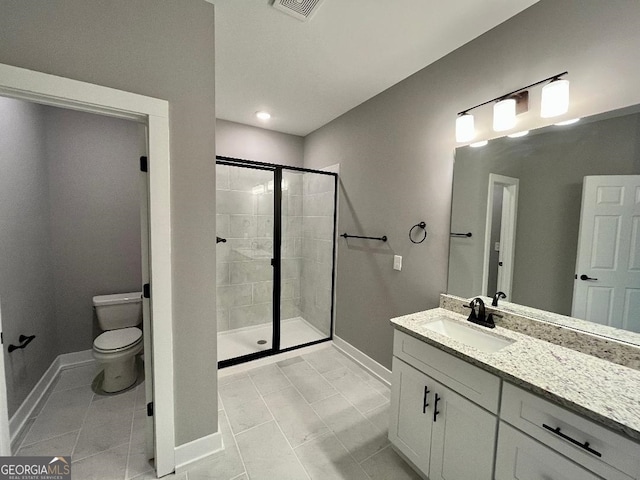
293	332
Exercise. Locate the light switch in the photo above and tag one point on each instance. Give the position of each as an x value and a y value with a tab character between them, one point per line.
397	262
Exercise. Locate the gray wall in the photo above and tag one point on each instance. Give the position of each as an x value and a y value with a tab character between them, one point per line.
396	150
94	193
164	50
251	143
26	271
550	167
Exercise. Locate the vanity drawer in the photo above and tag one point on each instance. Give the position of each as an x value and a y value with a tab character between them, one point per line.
609	454
468	380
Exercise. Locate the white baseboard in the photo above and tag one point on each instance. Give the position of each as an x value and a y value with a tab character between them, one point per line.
40	391
196	450
381	373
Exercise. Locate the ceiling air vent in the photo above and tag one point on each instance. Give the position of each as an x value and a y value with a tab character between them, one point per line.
303	10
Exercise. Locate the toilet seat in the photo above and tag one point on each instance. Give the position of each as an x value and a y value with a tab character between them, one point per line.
117	340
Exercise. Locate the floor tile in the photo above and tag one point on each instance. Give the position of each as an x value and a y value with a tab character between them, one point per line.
106	409
269	379
380	417
388	465
325	360
356	390
297	420
267	454
325	458
76	377
64	412
106	465
290	361
244	406
137	462
361	438
310	383
223	465
96	438
141	397
227	379
138	430
61	446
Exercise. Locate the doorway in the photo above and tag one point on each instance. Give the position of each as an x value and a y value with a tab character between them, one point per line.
47	89
275	250
500	235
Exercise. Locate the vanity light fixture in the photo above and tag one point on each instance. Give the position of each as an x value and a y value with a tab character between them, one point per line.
555	98
567	122
504	115
519	134
555	101
479	144
262	115
465	129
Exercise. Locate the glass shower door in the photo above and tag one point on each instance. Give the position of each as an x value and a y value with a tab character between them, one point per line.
244	283
307	246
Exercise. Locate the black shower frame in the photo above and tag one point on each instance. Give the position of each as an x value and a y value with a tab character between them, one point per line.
277	254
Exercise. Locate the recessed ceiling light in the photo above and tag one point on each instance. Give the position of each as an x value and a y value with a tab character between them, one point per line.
567	122
263	115
519	134
479	144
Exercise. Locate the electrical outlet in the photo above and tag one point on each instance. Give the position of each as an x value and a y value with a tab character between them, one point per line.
397	262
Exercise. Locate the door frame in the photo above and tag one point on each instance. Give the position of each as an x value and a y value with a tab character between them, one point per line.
507	231
42	88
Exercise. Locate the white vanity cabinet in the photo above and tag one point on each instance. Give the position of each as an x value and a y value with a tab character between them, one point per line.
559	438
444	434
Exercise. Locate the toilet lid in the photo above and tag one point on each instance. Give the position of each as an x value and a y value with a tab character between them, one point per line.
118	339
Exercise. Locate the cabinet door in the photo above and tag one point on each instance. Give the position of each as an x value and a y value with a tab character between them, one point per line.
463	439
411	413
519	457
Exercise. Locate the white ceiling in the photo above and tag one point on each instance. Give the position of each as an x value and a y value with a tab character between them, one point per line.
308	73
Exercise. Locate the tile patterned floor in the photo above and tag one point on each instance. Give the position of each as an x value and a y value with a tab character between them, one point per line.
103	434
314	416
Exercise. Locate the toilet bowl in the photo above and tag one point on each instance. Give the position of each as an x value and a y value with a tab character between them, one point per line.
116	348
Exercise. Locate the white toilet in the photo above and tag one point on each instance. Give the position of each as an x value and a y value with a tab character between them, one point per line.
116	348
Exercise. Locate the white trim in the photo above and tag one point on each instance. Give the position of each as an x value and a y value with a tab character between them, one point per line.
5	438
63	92
42	389
197	450
374	368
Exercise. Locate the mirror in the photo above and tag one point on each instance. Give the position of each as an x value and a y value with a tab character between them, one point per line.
522	200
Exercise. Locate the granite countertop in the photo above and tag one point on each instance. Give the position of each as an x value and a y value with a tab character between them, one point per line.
603	391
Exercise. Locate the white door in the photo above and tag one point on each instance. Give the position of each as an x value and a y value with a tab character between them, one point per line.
607	281
146	310
5	439
507	243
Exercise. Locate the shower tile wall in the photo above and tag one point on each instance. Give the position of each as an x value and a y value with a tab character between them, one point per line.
317	249
244	273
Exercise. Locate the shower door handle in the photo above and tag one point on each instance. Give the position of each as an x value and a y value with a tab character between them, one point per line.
221	240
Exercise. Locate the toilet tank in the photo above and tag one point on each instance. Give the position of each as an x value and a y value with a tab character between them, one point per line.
119	310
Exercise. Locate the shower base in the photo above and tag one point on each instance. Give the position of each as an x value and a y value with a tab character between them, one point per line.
293	332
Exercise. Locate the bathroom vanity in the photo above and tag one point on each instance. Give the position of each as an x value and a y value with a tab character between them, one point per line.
468	407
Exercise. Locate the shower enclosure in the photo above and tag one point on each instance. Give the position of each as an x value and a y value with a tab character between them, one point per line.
275	250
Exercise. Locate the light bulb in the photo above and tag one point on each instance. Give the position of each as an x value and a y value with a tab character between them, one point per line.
263	115
465	129
555	99
504	115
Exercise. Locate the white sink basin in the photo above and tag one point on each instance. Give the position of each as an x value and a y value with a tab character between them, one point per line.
469	336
